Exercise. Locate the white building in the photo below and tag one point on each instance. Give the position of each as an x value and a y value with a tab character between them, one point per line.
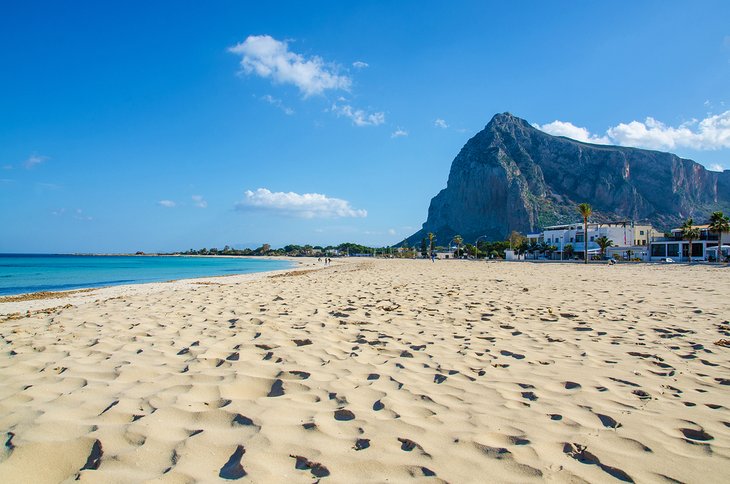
677	249
629	238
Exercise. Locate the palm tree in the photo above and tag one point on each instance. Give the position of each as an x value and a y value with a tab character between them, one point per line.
431	238
690	232
550	250
585	211
458	240
719	223
523	248
568	250
604	243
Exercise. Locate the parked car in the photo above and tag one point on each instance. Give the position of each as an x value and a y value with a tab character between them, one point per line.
667	260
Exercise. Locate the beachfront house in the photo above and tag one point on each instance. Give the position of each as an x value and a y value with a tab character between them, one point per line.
630	239
672	245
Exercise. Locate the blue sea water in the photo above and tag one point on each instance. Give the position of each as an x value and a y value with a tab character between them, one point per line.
23	273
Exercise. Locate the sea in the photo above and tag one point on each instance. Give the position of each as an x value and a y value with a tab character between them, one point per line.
25	273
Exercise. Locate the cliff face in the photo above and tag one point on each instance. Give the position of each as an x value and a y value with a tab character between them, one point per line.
511	176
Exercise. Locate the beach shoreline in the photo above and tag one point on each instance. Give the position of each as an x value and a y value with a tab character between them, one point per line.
41	300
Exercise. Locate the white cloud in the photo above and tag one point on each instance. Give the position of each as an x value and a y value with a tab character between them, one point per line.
305	205
569	130
278	103
711	133
398	133
199	201
34	160
166	203
360	65
391	231
715	167
440	123
270	58
359	117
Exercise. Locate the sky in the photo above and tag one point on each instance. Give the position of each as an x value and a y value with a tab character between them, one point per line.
161	126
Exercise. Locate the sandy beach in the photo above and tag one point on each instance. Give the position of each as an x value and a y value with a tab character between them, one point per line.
375	371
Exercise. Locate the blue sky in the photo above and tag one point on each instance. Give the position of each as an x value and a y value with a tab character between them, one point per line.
159	126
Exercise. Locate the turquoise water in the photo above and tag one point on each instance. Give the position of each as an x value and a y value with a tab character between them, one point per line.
22	273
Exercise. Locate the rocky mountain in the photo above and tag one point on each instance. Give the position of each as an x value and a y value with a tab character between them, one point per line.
512	176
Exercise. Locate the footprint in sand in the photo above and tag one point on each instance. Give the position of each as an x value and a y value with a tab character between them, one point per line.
607	421
277	389
233	468
362	444
243	420
94	460
304	464
343	415
407	444
580	453
694	436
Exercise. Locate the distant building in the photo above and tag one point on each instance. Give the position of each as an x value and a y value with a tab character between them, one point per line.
674	247
630	239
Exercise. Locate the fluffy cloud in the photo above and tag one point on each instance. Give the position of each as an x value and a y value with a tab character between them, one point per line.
711	133
359	117
267	57
569	130
199	201
398	133
715	167
34	160
166	203
440	123
305	205
360	65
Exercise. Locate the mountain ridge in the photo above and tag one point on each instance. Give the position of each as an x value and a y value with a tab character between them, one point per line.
512	176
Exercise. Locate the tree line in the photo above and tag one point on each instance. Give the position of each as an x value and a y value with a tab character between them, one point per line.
718	222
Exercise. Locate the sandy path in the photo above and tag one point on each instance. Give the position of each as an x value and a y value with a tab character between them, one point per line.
379	370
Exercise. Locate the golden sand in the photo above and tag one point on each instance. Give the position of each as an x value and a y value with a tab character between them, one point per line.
378	371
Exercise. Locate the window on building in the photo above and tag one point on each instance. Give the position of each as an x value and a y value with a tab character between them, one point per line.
672	250
571	239
592	237
698	250
641	232
658	250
